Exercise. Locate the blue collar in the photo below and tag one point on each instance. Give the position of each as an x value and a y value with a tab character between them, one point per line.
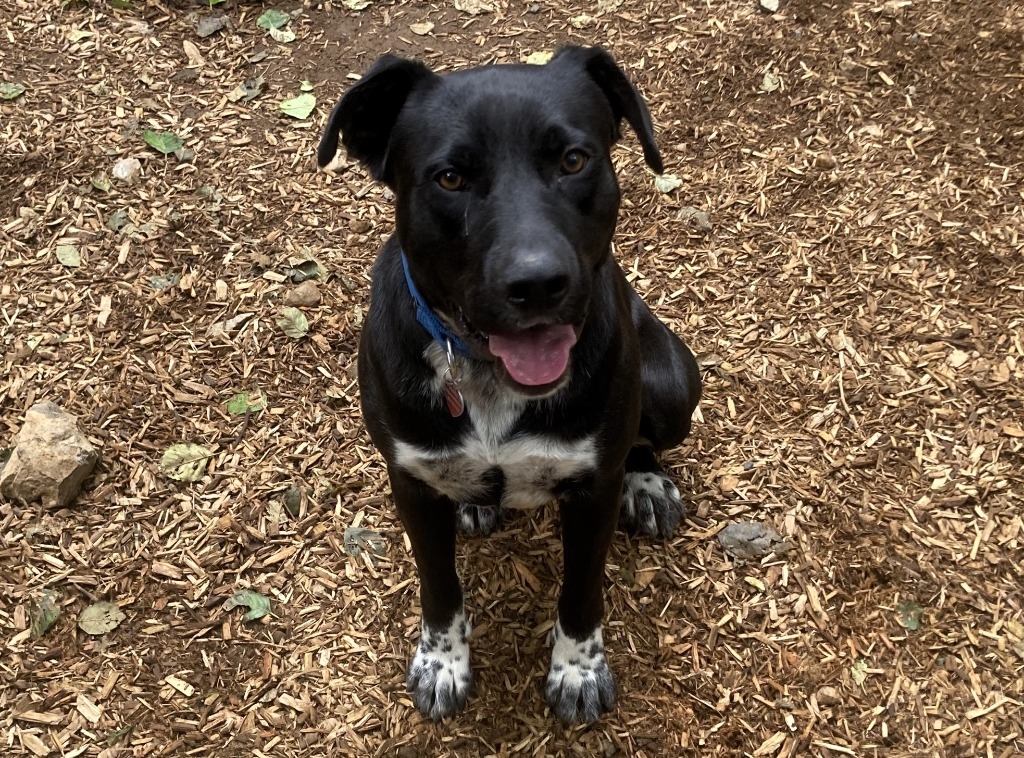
429	320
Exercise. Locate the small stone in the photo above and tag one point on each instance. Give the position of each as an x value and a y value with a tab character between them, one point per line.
360	225
51	460
305	294
696	217
825	161
751	540
829	696
126	169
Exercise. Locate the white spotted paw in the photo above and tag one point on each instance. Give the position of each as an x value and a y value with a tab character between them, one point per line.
580	686
440	677
650	504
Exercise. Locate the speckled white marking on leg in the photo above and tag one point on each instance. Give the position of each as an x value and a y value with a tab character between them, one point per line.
580	686
440	676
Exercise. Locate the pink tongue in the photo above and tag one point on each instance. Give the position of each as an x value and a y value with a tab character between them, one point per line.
535	356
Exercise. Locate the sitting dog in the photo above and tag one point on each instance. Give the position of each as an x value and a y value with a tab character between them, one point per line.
505	359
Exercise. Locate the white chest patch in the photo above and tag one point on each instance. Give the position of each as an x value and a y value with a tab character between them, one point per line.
532	465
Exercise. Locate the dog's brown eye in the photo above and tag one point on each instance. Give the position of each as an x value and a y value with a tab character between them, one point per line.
573	162
450	180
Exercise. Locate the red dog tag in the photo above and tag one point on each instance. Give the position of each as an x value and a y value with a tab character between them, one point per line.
453	398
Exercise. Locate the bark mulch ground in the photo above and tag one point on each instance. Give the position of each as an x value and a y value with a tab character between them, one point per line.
857	304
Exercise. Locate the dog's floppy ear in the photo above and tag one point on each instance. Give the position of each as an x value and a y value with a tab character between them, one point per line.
366	114
623	97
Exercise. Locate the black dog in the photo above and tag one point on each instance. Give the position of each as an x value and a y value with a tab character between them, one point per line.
505	359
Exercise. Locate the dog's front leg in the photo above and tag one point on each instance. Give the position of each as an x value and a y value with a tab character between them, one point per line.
580	686
439	676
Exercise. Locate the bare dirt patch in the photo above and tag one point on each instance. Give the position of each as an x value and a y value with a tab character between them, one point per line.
857	308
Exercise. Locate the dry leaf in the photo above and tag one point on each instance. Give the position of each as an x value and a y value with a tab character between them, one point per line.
666	183
195	58
472	7
100	618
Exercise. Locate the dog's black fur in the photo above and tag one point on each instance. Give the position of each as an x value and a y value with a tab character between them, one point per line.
506	203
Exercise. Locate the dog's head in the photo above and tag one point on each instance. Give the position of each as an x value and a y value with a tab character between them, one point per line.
506	198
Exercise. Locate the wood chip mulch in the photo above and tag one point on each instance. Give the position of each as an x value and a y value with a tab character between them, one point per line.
857	305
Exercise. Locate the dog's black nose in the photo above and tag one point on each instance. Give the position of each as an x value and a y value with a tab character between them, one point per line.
538	281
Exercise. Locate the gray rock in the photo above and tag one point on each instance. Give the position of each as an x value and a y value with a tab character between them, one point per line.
306	294
51	460
697	218
126	169
751	540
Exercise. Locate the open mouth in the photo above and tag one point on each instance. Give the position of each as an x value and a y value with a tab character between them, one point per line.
536	356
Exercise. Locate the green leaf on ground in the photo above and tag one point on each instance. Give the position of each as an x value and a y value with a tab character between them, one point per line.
356	5
272	18
100	181
114	737
910	615
300	106
242	403
67	253
11	90
45	613
539	57
258	605
185	462
293	322
100	618
164	142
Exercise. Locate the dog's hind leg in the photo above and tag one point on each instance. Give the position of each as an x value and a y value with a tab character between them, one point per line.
439	677
483	516
473	519
651	505
671	387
